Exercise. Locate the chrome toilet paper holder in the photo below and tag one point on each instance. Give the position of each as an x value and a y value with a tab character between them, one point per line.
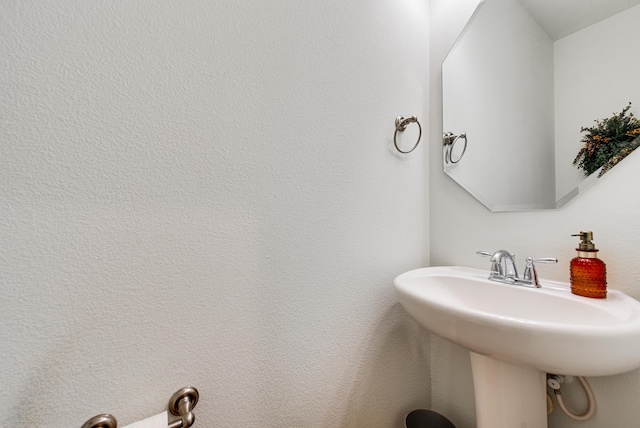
181	404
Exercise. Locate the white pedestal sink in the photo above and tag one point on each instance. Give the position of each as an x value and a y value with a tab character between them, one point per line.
518	334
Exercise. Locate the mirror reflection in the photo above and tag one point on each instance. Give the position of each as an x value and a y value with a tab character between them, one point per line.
532	83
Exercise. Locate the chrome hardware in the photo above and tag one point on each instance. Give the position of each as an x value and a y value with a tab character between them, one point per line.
101	421
503	264
503	268
555	381
530	274
449	140
401	125
181	404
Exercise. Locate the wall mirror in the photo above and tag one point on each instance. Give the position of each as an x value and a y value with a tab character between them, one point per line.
521	81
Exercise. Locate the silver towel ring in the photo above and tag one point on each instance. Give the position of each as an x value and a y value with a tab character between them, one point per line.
449	140
401	125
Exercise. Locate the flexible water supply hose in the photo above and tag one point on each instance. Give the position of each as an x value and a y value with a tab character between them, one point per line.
555	381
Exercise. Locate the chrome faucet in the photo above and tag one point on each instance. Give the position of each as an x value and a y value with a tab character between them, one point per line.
503	268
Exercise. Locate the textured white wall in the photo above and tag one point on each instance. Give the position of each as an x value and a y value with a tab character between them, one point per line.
206	193
460	225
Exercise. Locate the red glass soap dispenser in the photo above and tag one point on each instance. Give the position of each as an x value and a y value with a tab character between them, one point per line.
588	272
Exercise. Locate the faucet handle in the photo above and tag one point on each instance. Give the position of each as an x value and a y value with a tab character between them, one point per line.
548	260
530	273
486	254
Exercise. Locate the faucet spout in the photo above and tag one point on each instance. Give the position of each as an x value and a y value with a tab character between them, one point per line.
503	265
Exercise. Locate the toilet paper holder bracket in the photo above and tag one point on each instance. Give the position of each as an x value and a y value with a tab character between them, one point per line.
181	404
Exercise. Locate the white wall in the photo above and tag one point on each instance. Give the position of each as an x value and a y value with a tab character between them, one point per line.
596	76
460	225
207	193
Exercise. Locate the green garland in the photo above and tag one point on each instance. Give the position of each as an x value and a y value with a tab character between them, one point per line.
607	143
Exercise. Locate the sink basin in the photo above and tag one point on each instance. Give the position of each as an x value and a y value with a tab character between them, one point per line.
517	334
546	328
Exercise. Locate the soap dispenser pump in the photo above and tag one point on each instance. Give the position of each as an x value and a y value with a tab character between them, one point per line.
588	272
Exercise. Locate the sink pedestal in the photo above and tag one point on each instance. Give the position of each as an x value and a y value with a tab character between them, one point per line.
508	396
